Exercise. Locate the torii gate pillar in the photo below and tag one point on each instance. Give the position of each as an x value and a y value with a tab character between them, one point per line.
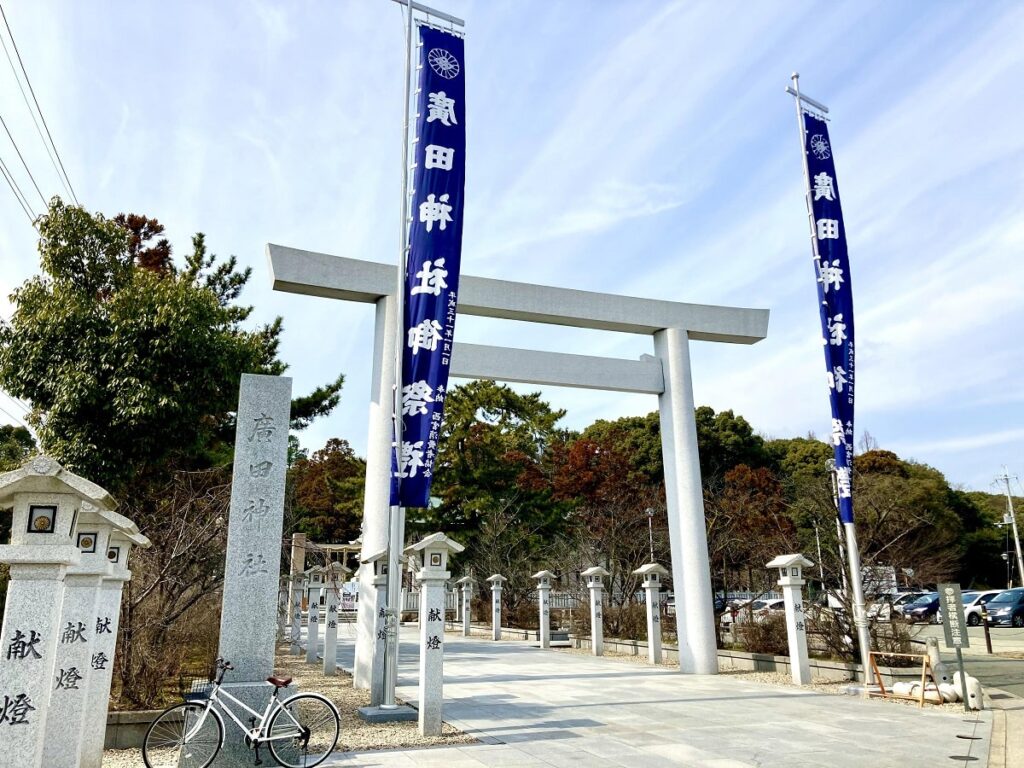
672	324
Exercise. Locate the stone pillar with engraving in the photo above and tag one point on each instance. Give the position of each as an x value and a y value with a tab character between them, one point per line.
791	580
595	582
252	567
653	574
108	607
298	589
496	581
435	550
86	625
466	585
544	579
377	563
46	499
315	580
337	575
282	609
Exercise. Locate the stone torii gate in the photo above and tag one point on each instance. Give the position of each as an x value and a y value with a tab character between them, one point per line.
666	374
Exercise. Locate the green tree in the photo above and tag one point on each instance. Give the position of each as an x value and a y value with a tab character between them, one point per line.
129	363
16	445
725	441
494	455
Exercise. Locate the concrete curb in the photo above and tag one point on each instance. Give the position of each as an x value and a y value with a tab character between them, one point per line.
1007	729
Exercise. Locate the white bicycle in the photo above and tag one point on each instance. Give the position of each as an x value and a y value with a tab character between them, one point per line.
300	731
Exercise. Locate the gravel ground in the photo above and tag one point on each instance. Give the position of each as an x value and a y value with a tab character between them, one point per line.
356	734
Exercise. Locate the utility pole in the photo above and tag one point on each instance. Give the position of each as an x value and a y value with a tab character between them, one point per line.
1011	519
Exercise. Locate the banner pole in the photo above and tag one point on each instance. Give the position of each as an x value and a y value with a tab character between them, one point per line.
395	512
852	549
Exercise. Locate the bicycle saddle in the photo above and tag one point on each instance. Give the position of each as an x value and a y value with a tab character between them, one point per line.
279	682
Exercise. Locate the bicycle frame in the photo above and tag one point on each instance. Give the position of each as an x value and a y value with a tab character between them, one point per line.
220	697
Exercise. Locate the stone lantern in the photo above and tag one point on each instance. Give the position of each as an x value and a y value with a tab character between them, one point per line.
791	580
496	586
466	585
544	579
435	551
595	583
314	586
335	575
46	499
653	576
377	564
123	538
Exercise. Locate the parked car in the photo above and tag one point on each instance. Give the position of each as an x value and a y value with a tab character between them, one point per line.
889	606
973	603
900	604
966	598
1007	608
923	609
972	610
758	610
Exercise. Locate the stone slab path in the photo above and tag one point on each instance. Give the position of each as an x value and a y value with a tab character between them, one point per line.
539	708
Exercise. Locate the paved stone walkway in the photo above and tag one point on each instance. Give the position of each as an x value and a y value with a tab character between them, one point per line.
549	708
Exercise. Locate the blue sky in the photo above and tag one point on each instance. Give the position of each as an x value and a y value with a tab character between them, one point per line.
643	148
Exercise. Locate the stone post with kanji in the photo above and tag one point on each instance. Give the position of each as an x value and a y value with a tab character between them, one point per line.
466	585
435	550
544	579
653	576
315	580
252	563
298	589
497	580
282	609
108	606
791	580
595	583
337	575
85	625
46	499
377	564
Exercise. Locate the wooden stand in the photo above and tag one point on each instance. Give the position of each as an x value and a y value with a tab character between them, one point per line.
926	674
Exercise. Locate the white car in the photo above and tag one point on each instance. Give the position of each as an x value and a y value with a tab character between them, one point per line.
759	610
889	605
973	603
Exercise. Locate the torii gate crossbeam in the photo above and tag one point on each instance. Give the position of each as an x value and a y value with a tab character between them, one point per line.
667	374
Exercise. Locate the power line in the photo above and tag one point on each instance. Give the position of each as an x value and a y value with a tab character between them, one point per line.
15	418
24	164
32	112
17	403
42	117
18	194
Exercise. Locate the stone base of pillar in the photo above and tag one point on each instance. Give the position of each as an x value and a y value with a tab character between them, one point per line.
400	714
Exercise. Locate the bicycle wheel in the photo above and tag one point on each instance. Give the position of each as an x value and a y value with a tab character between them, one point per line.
173	741
303	733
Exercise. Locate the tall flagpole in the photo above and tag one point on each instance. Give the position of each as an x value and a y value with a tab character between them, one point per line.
396	527
396	513
852	549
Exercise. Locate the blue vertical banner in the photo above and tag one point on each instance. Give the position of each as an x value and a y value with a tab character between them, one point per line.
835	298
435	252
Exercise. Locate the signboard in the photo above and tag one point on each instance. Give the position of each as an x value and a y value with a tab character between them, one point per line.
953	622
